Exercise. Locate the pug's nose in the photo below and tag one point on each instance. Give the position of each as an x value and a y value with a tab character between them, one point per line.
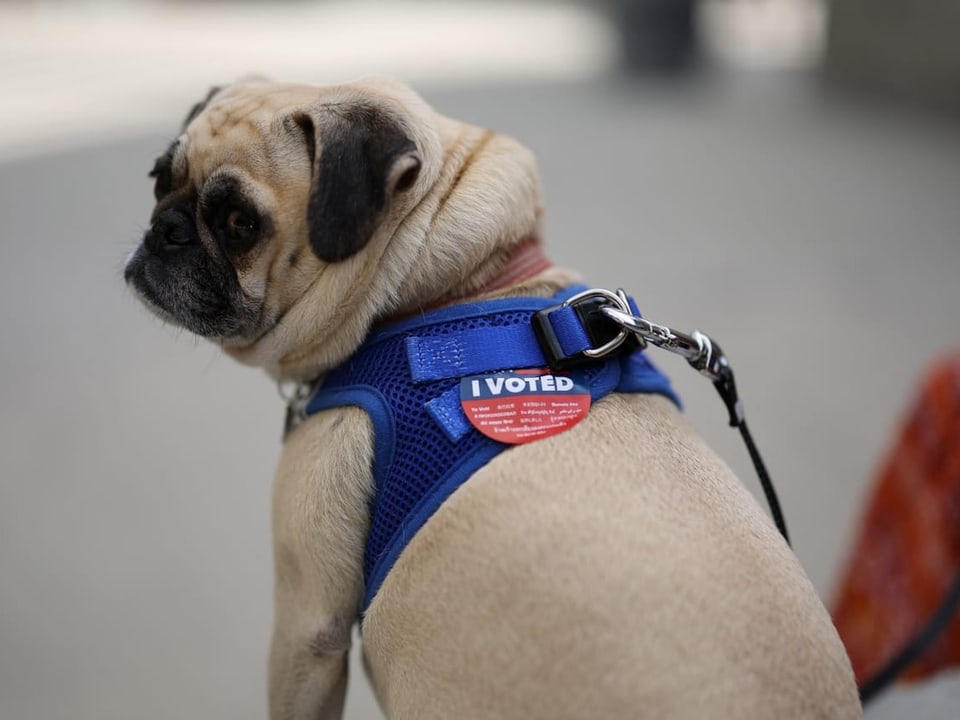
171	229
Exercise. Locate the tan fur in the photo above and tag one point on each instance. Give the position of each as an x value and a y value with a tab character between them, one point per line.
650	583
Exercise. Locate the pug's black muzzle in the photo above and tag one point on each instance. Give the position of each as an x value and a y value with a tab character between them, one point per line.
173	272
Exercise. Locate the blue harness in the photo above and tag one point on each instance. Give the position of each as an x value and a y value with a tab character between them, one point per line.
407	378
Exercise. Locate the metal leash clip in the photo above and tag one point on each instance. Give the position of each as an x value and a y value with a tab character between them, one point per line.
697	348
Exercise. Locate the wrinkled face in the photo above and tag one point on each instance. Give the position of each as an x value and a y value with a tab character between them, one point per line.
268	188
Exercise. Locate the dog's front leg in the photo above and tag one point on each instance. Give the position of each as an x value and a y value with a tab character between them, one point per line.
305	683
320	522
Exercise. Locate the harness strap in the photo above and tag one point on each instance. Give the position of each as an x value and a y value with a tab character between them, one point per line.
470	351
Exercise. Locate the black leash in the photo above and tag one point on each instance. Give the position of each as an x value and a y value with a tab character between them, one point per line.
916	647
728	393
765	482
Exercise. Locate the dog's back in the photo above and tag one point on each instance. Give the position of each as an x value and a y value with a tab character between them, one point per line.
616	570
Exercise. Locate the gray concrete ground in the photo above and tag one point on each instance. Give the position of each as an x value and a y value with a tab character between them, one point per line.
815	240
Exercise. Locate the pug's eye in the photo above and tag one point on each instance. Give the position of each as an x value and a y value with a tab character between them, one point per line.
231	216
240	226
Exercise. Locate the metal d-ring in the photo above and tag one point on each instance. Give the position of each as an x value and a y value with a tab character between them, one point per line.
619	299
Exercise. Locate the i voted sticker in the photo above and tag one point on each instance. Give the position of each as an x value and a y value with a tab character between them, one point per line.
518	406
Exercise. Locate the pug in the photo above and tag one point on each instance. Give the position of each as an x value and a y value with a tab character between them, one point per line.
615	569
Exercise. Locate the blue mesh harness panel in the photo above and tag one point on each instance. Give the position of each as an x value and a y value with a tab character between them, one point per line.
407	376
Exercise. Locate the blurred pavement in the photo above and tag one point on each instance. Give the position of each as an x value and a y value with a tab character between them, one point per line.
815	240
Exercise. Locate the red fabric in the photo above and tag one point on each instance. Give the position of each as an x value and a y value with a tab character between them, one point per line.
908	549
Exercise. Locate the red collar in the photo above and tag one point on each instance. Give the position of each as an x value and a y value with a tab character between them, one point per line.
524	261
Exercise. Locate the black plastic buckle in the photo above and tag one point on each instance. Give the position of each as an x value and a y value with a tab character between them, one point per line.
606	337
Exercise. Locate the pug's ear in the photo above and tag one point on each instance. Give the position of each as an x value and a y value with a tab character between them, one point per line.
199	107
362	157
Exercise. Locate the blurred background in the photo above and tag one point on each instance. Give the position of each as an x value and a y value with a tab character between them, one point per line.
782	174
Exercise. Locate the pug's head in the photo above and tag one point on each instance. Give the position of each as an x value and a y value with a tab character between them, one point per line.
289	218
